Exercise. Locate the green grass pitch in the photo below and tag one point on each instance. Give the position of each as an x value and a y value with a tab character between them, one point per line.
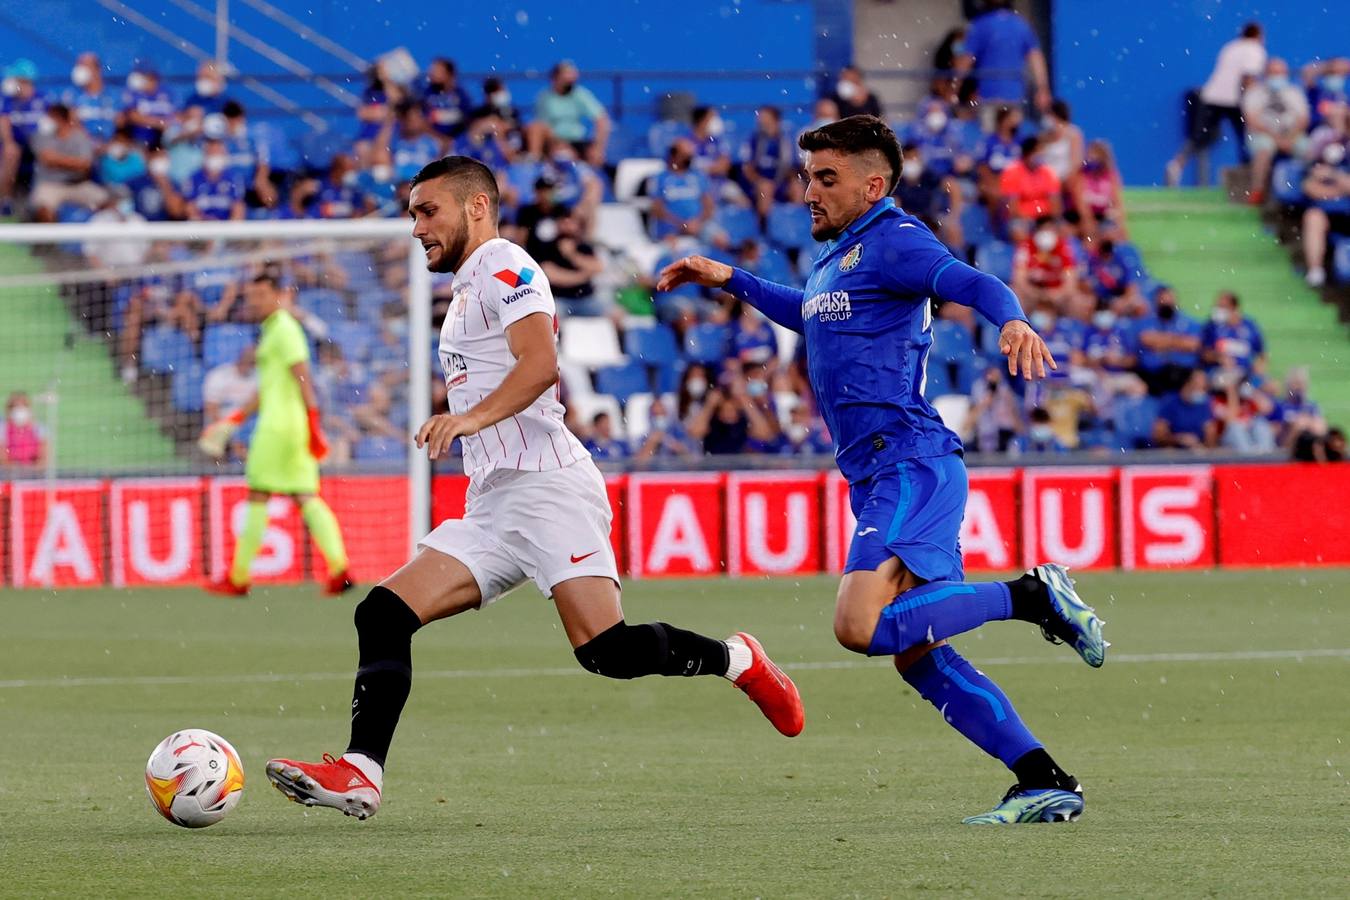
1213	747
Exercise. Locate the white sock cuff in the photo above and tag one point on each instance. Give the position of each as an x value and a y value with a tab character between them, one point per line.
367	767
739	658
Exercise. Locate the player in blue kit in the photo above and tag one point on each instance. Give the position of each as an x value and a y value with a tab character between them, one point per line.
866	316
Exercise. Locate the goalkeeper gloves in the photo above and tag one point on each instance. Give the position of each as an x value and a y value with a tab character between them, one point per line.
216	436
318	443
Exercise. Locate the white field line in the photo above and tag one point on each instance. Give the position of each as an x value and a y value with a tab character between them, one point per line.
420	674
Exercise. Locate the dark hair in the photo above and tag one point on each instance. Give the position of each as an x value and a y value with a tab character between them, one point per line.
1231	296
967	91
772	110
1040	414
1004	114
1029	145
699	113
59	111
854	135
1061	110
232	109
464	170
491	84
447	62
1251	30
268	278
595	419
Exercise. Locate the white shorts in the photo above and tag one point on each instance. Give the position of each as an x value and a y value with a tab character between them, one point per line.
546	526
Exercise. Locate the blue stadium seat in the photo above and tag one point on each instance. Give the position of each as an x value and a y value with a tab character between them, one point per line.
662	134
322	302
223	343
939	380
165	349
775	266
668	377
739	222
623	381
789	226
380	449
975	224
996	258
186	390
1286	182
352	338
653	345
707	343
1340	259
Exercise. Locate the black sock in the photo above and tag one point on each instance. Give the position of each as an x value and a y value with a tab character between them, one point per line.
384	629
1035	769
632	651
1031	603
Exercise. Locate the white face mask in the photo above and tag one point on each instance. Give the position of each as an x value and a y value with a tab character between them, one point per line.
1104	318
9	87
660	423
546	231
1042	321
501	99
46	126
1218	315
126	207
137	82
215	163
697	388
1333	154
846	90
350	179
207	88
20	416
1042	434
935	121
798	432
80	76
911	170
214	126
116	152
716	127
382	173
1046	240
159	166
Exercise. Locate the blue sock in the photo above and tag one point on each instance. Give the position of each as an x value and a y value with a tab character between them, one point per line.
972	704
936	611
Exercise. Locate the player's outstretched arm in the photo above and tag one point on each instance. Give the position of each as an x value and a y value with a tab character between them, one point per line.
536	370
1026	351
781	303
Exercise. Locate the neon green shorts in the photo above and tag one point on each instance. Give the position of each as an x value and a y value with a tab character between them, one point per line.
279	462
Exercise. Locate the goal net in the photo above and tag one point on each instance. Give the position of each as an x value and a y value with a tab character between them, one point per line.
120	341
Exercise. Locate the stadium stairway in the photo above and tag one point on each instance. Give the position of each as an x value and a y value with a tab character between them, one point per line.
1201	244
102	425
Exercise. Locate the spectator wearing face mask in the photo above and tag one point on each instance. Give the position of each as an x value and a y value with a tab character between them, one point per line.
1043	265
1030	187
695	383
1229	334
1040	435
1186	418
444	102
1108	345
497	102
571	265
707	131
603	444
22	109
1239	62
212	193
1326	84
63	164
1061	144
569	112
852	96
1097	190
765	159
1169	345
1276	114
206	102
933	197
336	196
94	105
666	437
1295	412
1327	187
147	106
1242	415
935	137
681	198
753	341
413	146
997	151
995	417
805	433
24	443
485	140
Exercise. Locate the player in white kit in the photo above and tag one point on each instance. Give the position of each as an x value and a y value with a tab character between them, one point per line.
536	507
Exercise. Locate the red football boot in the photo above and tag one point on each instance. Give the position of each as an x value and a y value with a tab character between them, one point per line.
771	689
227	588
338	584
334	782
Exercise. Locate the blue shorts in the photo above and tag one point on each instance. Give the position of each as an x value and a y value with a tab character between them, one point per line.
912	511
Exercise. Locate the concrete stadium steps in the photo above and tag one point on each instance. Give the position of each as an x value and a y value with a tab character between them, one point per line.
1200	243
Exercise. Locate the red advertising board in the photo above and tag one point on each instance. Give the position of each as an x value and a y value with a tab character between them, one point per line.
989	529
1166	517
56	536
773	523
373	512
617	488
1069	516
674	524
282	557
839	522
155	530
1283	515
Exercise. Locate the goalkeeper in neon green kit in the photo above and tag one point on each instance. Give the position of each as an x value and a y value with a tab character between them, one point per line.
287	444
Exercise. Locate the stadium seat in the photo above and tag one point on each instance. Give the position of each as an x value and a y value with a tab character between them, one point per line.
223	343
623	381
165	349
938	381
740	223
327	304
354	340
787	342
707	343
668	377
664	133
1340	259
618	226
954	410
975	225
590	341
996	258
653	345
586	408
380	449
186	390
789	227
1286	182
637	416
631	175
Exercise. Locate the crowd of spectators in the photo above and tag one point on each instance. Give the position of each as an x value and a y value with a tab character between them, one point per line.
1014	187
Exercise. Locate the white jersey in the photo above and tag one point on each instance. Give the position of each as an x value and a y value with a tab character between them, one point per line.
498	285
1239	58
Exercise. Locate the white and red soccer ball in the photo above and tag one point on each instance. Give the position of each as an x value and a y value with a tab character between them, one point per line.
194	778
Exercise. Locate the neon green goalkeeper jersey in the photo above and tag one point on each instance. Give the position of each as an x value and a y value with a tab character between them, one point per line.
281	407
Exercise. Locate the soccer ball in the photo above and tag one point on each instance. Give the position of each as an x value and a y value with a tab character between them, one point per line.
194	778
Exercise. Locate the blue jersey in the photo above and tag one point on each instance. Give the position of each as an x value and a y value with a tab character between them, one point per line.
1242	342
867	319
214	197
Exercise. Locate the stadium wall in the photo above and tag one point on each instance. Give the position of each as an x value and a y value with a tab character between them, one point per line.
138	532
1125	68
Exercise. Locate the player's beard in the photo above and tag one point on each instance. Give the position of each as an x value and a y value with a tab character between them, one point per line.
452	250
